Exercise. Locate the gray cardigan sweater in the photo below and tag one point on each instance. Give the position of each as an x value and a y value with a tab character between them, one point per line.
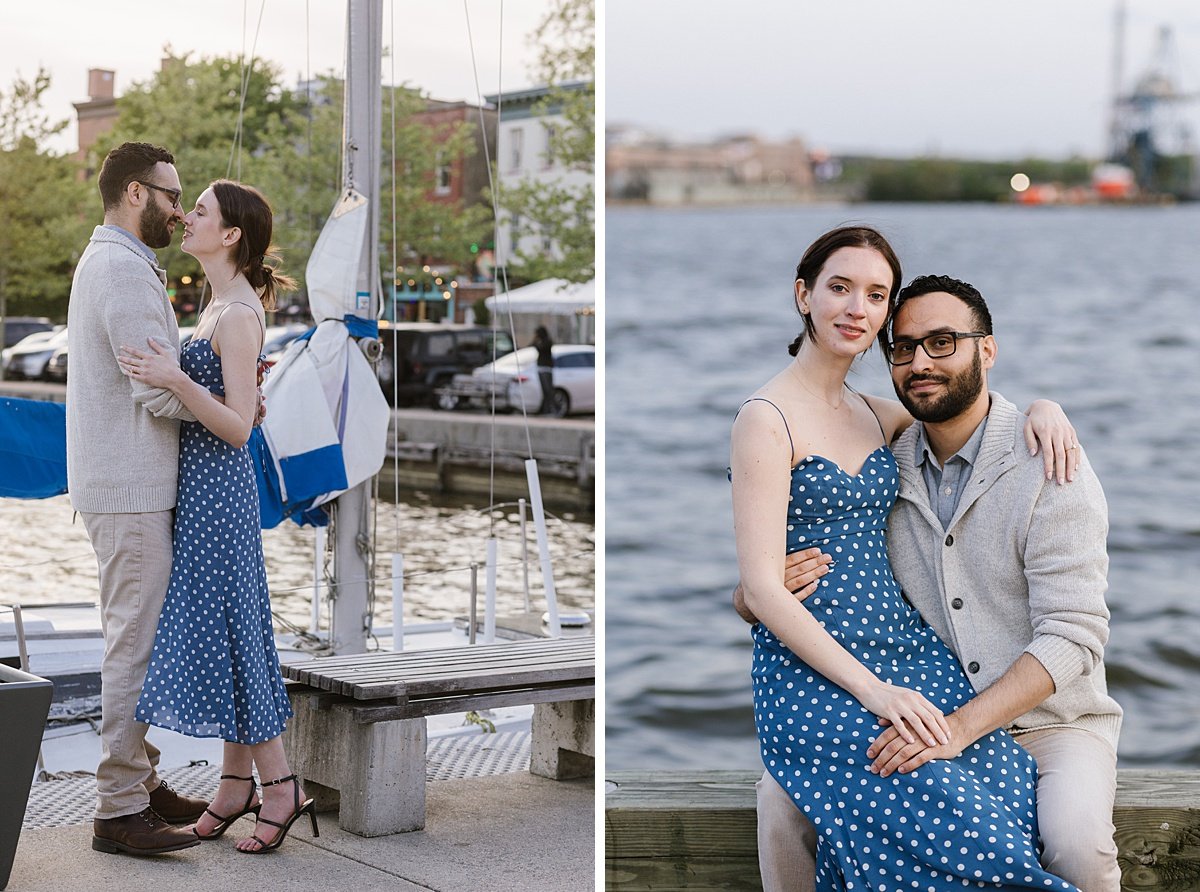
122	436
1025	561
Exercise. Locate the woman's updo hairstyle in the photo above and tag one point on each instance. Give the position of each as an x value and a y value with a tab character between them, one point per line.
818	254
246	208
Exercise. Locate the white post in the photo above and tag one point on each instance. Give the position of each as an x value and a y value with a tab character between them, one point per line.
539	523
314	623
474	597
397	602
489	598
524	552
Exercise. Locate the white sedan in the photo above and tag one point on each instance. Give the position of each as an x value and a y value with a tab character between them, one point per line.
514	381
29	356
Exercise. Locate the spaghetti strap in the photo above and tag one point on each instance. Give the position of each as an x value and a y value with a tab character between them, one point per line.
786	429
262	340
877	421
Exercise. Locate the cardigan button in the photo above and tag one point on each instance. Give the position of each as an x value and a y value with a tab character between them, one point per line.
949	540
956	603
972	667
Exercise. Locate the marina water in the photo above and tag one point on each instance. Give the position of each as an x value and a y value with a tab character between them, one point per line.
1095	307
46	559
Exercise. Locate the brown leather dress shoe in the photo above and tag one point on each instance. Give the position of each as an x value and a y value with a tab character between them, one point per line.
144	833
175	808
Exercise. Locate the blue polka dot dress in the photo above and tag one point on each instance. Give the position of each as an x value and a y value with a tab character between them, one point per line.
214	670
968	822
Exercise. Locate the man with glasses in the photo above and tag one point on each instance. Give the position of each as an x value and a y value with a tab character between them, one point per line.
1010	570
122	467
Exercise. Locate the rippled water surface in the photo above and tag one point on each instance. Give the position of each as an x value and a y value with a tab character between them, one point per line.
1098	308
46	558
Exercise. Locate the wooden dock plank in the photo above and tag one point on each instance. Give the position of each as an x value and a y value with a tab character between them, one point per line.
385	675
581	646
696	830
474	700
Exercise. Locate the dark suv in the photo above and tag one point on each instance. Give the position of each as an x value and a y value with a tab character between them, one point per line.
18	327
425	355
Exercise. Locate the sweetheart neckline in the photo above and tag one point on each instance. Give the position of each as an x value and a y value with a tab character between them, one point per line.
814	456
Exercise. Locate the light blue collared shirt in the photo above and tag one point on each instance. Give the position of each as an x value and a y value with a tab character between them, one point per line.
141	246
946	483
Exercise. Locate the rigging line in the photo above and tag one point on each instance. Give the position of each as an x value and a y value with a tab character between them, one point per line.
308	163
512	326
395	266
499	93
406	575
493	187
247	69
236	147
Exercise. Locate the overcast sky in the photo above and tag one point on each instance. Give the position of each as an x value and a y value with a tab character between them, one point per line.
954	77
432	48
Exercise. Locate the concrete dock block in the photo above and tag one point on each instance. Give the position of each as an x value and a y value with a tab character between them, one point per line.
563	743
373	774
383	788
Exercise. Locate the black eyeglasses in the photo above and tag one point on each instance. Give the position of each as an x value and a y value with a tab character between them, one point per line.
936	346
173	194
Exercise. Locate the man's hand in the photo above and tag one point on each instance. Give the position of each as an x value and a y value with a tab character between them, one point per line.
802	570
891	753
260	414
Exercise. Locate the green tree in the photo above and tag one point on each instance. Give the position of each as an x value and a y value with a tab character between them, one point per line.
425	229
43	232
553	223
192	109
305	166
290	148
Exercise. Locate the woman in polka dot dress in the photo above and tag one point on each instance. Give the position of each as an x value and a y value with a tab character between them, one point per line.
811	467
214	671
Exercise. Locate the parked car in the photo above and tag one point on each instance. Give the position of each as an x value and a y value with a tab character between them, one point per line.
56	365
29	357
27	341
419	357
513	380
17	328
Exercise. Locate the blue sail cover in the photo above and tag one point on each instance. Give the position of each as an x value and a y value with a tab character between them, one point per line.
33	461
33	448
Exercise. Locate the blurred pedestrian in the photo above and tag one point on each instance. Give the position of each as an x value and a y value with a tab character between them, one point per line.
545	368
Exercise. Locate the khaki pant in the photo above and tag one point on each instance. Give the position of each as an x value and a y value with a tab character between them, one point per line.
1077	785
134	555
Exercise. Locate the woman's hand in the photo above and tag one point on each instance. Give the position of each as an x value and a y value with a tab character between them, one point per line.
908	712
891	754
1049	426
157	368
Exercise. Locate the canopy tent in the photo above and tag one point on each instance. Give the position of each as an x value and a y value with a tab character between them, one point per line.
567	309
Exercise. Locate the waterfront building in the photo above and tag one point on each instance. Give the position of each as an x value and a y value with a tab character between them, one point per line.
640	166
529	119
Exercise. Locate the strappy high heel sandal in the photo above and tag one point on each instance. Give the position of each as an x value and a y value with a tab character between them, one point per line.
226	823
307	807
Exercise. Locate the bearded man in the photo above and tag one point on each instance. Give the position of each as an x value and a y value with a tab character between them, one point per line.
122	467
1010	569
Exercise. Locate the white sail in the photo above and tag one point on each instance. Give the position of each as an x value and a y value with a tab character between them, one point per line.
333	266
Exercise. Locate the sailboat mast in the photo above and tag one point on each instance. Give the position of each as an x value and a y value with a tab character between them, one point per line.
362	158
